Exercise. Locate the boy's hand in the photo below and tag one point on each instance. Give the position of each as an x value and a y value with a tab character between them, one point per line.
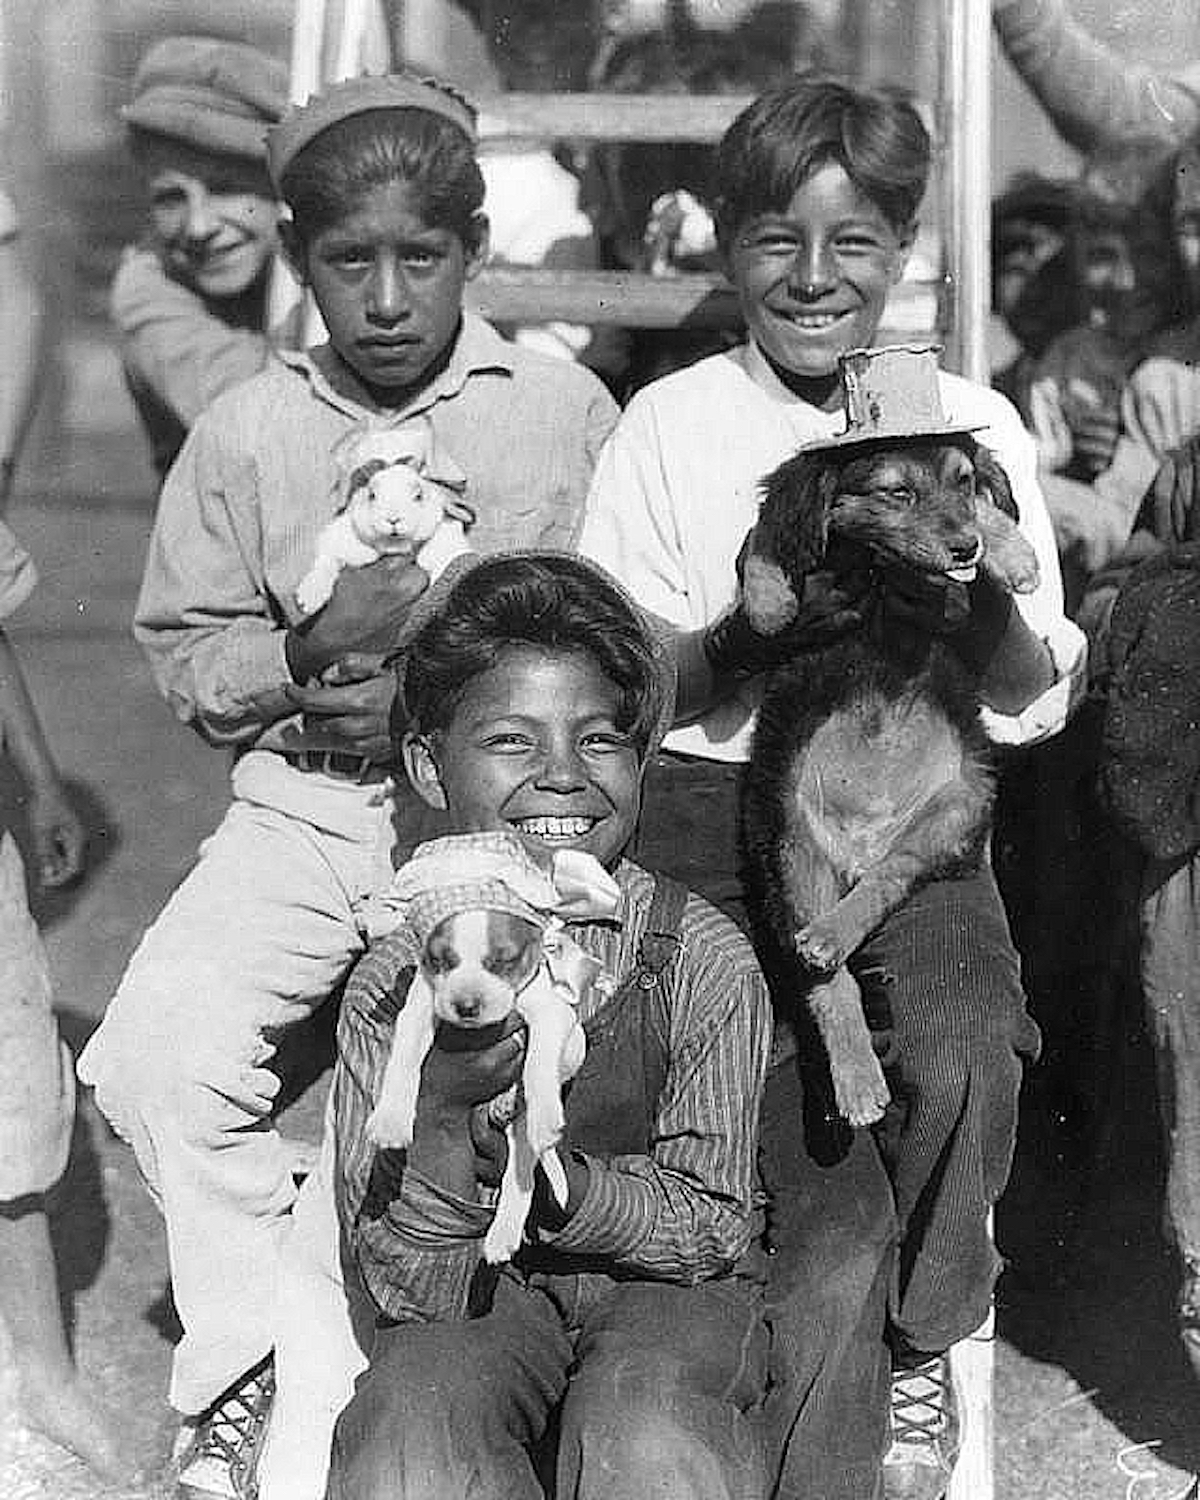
466	1067
1095	428
352	704
828	607
1049	425
491	1146
934	606
368	608
59	839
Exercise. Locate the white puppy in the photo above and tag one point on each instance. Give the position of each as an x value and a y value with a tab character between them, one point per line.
397	499
496	949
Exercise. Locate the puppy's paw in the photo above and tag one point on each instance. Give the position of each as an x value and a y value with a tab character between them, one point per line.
390	1128
556	1176
504	1235
861	1090
544	1124
822	945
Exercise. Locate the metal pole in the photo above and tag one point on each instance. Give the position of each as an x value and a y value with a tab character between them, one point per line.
966	143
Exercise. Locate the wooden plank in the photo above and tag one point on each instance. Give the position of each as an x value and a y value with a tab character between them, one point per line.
628	300
608	117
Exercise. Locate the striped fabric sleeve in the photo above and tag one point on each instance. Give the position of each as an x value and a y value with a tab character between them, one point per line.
686	1212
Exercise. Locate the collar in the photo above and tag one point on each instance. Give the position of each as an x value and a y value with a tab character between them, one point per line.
478	350
818	424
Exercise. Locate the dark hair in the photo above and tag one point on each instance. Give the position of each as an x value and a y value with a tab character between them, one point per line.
331	175
1125	183
814	119
221	172
548	600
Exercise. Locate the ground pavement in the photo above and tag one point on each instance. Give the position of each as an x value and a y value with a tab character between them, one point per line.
1093	1401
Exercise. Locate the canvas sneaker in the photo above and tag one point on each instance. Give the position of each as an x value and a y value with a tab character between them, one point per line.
216	1454
925	1432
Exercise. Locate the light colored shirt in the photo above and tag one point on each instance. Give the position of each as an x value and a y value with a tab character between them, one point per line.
177	351
677	489
685	1212
257	479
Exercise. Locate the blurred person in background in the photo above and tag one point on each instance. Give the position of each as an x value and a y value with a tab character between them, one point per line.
1033	288
22	337
1148	679
1092	94
37	1088
190	300
1127	288
1163	405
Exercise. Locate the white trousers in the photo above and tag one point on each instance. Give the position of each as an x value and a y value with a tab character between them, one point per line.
261	931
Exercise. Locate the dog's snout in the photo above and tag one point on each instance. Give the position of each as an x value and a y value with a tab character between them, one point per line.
467	1007
966	550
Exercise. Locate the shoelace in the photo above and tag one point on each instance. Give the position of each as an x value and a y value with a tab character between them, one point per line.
231	1433
919	1414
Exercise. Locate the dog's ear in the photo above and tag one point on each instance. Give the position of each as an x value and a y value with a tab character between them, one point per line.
793	523
990	477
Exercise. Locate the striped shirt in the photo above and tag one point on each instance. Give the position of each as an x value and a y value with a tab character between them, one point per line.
684	1213
257	479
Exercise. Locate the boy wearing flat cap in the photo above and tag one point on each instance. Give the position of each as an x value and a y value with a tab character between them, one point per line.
190	300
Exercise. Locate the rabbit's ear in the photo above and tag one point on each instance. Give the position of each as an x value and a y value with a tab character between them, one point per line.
992	479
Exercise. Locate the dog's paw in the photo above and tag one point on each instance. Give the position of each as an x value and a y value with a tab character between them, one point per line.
861	1091
544	1126
556	1176
503	1239
390	1128
822	946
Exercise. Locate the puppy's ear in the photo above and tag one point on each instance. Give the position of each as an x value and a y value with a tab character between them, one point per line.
421	767
991	478
793	525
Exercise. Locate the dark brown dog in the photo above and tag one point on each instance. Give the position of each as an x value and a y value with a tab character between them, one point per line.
869	773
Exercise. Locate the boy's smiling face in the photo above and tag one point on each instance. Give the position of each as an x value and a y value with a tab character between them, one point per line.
533	748
813	278
390	289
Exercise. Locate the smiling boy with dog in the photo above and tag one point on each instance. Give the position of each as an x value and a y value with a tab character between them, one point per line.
820	182
630	1320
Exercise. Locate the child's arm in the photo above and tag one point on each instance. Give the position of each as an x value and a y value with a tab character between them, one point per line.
686	1211
23	339
173	344
57	832
1092	93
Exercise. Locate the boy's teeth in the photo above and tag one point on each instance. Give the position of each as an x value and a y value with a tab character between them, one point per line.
556	828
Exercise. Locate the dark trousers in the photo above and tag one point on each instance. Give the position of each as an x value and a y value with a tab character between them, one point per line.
655	1389
878	1235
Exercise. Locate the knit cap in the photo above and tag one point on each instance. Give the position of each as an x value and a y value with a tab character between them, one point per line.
217	95
357	96
495	872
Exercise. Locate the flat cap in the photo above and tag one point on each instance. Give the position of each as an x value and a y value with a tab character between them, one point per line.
356	96
214	94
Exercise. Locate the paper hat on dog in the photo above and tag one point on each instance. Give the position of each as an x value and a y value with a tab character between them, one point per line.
891	393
